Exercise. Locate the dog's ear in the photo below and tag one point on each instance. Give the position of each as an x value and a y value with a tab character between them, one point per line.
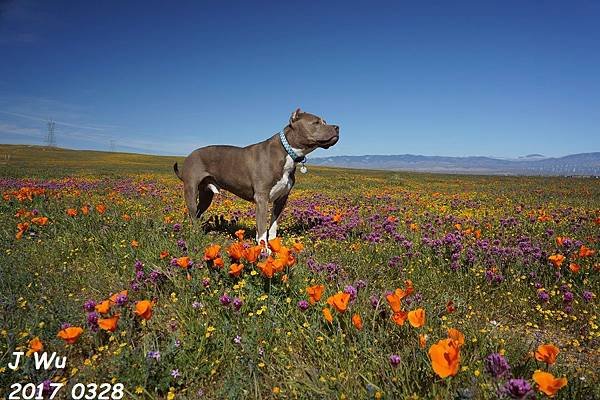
295	115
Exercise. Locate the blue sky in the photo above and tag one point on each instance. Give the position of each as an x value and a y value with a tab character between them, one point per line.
471	78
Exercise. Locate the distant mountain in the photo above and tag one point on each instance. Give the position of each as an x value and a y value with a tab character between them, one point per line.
584	164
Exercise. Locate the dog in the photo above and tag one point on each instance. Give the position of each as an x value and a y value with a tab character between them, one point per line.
261	173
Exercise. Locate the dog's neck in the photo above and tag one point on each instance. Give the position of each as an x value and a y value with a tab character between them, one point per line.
291	137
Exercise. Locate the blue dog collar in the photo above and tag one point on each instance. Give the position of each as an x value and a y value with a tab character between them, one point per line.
289	148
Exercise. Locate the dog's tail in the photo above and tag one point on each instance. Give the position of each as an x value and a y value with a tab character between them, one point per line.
177	172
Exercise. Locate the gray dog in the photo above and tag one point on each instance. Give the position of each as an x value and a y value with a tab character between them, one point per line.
262	173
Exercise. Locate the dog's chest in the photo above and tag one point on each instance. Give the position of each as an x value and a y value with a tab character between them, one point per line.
283	185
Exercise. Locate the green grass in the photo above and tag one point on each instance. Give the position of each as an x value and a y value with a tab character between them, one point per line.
283	352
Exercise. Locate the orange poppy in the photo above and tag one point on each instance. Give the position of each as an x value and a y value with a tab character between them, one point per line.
283	259
409	287
236	269
70	334
275	244
252	253
547	383
71	212
35	345
314	293
183	262
143	309
267	267
586	251
113	298
560	240
135	244
574	268
103	307
298	247
547	353
218	262
556	260
339	301
109	324
211	252
337	217
457	336
416	318
327	315
164	254
357	322
445	358
101	208
126	217
85	210
395	300
40	220
236	251
422	340
400	317
240	234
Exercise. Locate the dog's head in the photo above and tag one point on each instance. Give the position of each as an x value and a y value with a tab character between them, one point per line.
311	131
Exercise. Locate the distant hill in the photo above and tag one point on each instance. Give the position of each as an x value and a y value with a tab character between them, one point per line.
584	164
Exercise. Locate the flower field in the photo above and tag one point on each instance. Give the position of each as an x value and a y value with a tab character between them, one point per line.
382	285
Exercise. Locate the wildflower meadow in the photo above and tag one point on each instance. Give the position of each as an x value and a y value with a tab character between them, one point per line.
381	285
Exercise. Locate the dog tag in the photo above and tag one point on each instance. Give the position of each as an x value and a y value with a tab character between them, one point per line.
303	169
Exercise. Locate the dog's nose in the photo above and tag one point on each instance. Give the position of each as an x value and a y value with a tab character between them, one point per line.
337	128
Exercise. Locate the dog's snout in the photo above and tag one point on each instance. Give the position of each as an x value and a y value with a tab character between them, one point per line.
337	128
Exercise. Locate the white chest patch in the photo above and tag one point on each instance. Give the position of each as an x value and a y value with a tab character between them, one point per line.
283	186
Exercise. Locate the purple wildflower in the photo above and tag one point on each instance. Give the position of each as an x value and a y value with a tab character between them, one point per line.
237	303
374	300
360	284
351	290
46	386
496	365
568	297
175	373
225	299
154	354
89	305
543	296
122	299
587	296
303	305
197	304
517	389
394	360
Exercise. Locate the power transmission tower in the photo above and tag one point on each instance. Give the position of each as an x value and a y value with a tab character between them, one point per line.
113	145
51	136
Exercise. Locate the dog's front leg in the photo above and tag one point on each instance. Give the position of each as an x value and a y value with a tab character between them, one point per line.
278	206
262	216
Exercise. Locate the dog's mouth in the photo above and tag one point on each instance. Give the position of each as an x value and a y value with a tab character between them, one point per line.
327	143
